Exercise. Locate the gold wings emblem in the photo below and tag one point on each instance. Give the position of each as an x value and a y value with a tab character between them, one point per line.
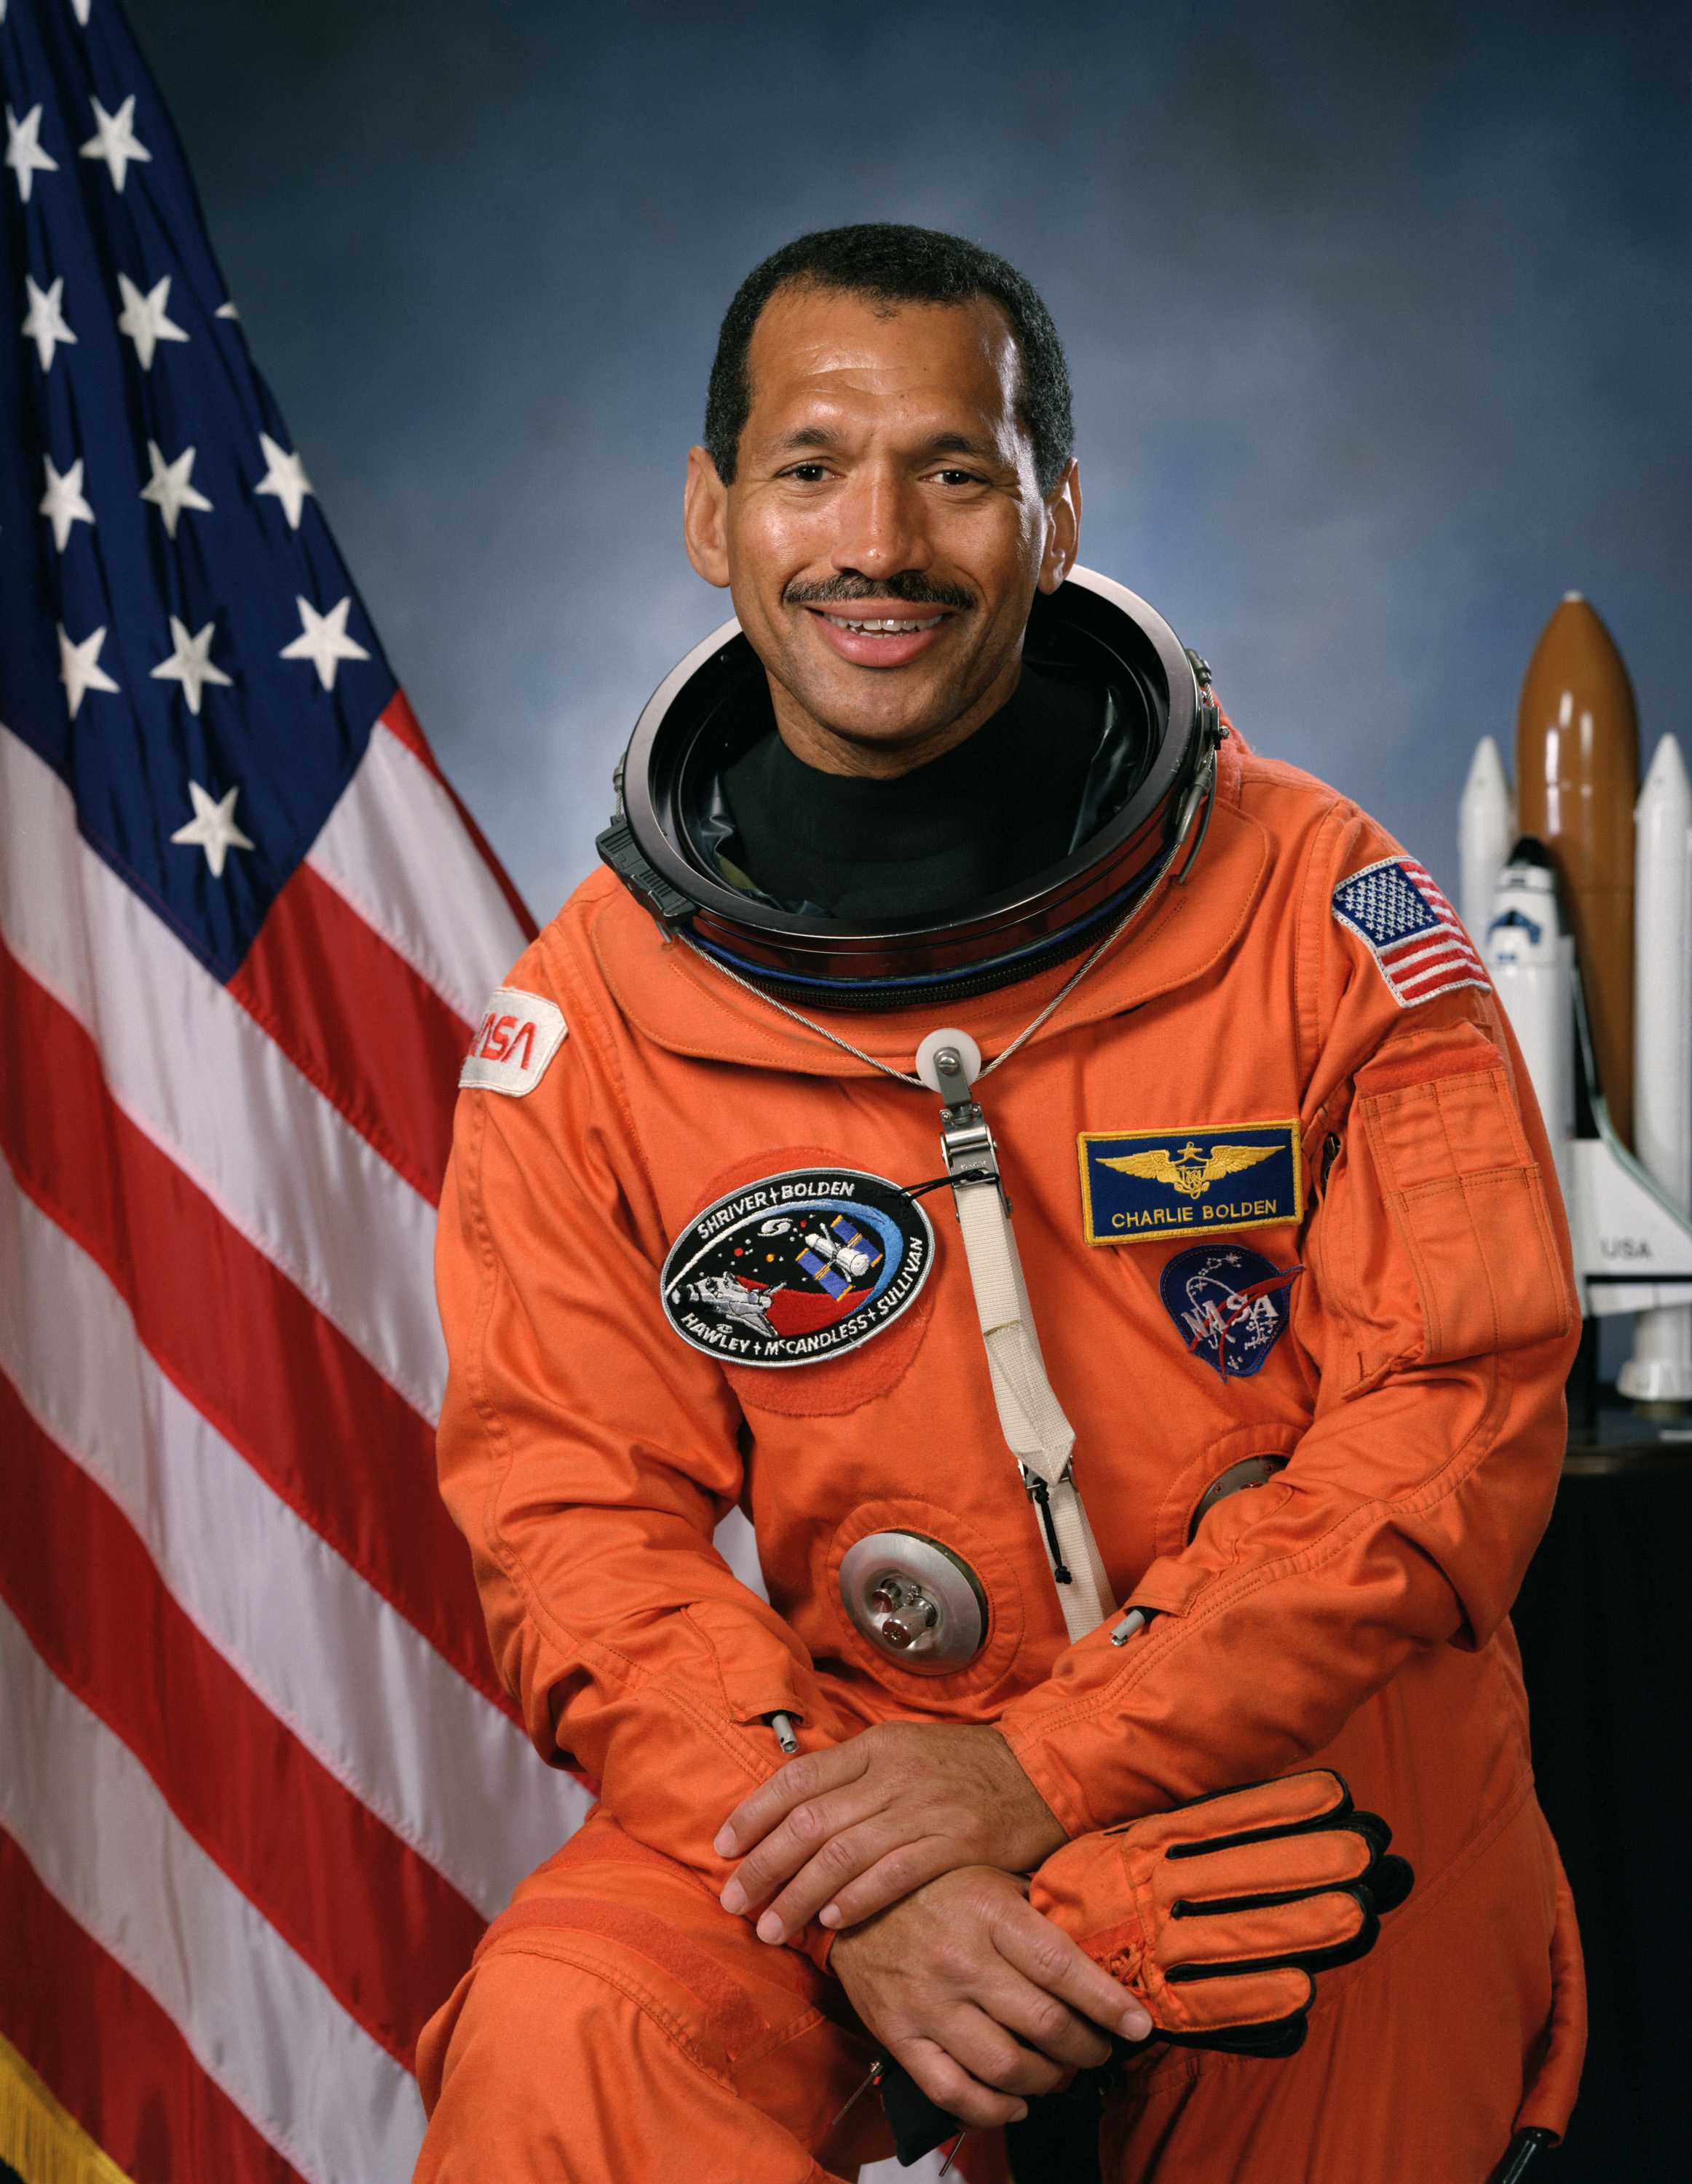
1191	1171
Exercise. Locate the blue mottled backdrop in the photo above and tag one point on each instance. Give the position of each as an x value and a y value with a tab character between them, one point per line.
1378	317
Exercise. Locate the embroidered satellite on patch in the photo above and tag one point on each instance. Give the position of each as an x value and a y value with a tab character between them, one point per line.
1413	934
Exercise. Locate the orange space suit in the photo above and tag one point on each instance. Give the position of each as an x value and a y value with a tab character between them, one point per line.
1365	1326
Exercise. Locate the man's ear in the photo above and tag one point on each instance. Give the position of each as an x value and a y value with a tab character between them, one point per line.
1063	528
705	518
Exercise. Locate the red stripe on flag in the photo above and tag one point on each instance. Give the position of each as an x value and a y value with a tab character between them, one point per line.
402	723
380	1046
385	1933
110	2052
246	1347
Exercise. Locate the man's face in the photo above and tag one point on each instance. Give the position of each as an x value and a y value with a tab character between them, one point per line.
883	479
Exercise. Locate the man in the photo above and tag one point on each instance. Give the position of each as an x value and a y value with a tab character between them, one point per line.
1277	1337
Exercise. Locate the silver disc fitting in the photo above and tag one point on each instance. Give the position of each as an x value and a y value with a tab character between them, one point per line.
916	1601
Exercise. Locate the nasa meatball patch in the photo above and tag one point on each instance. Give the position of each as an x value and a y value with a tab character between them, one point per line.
518	1036
797	1266
1229	1306
1415	936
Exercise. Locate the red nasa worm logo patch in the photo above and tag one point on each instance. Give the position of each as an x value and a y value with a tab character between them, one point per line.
797	1266
518	1036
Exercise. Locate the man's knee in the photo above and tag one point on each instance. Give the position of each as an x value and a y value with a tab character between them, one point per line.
543	2066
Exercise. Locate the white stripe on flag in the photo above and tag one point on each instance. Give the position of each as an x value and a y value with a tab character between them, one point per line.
258	2019
395	849
197	1075
350	1677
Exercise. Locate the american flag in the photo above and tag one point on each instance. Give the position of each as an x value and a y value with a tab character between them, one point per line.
259	1788
1395	909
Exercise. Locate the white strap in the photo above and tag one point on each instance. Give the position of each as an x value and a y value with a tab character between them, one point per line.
1030	1416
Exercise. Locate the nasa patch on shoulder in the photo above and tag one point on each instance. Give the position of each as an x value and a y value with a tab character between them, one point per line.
1229	1304
797	1266
518	1036
1416	938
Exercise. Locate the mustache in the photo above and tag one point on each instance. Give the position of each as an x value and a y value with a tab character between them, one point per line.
911	588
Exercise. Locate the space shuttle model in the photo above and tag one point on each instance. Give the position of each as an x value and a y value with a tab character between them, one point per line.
1581	895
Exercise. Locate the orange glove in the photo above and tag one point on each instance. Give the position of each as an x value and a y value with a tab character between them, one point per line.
1216	1914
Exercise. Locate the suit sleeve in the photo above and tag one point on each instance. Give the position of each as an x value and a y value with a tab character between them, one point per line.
587	1455
1435	1321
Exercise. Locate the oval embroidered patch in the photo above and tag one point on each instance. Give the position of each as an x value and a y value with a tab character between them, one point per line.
797	1266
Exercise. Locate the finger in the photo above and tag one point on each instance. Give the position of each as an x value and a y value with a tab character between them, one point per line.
979	2044
1305	1800
891	1878
951	2087
805	1834
1319	1860
811	1776
1042	1952
865	1851
1237	2001
1040	2021
1309	1930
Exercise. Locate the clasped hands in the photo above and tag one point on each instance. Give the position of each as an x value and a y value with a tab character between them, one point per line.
909	1841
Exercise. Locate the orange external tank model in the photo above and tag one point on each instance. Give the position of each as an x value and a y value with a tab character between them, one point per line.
1576	774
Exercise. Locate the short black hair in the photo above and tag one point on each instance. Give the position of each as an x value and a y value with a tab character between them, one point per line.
895	264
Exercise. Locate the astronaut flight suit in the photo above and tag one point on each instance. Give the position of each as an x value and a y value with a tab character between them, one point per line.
1275	1200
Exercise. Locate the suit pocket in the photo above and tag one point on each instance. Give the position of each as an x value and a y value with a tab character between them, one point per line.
1467	1206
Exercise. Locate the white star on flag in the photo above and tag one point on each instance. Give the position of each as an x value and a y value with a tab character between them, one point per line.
114	140
44	321
225	311
169	489
285	477
323	639
79	8
213	827
63	503
80	668
190	665
23	151
143	319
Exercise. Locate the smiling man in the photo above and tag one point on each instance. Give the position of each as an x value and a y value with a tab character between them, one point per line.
1191	1428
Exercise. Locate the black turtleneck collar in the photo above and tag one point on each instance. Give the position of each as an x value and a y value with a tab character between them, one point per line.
999	806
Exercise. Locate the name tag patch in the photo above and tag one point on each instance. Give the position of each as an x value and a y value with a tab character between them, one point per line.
518	1036
1152	1186
797	1266
1229	1305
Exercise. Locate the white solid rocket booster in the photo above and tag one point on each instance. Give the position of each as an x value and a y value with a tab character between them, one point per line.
1660	1370
1486	828
1531	962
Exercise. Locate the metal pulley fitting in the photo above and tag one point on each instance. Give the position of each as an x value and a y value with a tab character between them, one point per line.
914	1601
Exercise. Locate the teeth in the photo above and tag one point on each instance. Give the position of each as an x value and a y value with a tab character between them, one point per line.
887	625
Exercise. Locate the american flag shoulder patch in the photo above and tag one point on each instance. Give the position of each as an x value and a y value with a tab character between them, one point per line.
1416	938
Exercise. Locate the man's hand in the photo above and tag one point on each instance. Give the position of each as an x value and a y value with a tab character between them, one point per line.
852	1829
982	2000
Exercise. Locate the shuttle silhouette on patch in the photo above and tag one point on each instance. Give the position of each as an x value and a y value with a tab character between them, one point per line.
1229	1304
797	1267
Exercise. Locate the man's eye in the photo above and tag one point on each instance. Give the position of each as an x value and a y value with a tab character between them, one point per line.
806	473
958	477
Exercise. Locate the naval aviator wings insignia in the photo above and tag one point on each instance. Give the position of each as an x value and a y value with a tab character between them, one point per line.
1152	1186
1191	1171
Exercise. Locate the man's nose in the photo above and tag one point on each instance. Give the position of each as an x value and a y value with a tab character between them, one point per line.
880	531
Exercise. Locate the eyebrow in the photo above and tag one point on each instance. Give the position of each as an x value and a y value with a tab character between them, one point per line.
941	443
